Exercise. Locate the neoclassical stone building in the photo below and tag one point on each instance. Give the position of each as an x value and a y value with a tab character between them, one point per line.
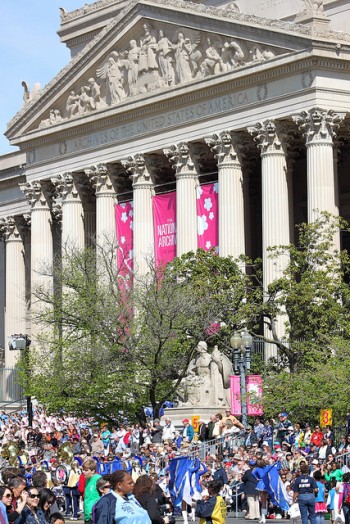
165	96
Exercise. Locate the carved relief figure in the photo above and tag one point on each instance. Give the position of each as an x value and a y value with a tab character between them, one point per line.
72	104
165	59
111	73
213	63
148	49
133	66
186	58
232	56
156	64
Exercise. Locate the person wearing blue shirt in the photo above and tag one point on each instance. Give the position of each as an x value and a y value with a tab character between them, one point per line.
305	489
119	506
188	431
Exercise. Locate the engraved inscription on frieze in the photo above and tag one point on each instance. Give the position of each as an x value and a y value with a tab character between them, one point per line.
159	58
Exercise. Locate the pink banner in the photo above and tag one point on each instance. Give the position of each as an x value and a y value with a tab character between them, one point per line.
254	393
207	216
125	241
164	218
235	395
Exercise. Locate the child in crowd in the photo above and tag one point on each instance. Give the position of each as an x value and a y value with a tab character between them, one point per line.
213	509
57	518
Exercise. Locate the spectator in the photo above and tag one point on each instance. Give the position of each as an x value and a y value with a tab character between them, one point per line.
91	494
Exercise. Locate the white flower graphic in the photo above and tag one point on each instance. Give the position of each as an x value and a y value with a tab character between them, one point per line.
122	240
211	215
131	213
123	206
124	217
208	244
131	224
202	224
216	188
208	204
199	192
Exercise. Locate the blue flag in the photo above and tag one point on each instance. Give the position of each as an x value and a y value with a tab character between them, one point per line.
185	473
271	482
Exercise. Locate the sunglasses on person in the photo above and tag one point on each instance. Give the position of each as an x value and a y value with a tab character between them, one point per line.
107	486
33	495
8	496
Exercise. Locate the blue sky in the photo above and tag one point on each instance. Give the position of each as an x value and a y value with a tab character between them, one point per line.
30	50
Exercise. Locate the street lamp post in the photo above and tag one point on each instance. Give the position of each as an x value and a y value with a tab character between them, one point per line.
241	346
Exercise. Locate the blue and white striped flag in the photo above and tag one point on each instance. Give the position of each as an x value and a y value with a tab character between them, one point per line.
271	482
184	483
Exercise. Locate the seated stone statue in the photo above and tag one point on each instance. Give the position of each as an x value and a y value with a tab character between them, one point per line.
207	382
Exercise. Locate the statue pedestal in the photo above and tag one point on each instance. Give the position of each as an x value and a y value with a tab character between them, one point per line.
177	415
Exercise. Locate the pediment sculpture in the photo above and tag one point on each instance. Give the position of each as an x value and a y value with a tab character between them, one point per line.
159	58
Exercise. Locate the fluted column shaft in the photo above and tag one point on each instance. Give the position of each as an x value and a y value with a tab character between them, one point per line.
319	128
143	190
73	231
275	211
15	308
231	195
101	178
41	248
186	198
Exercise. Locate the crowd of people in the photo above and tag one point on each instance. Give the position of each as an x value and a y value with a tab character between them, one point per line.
63	468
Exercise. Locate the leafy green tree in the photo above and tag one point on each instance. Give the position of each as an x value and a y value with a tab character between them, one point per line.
313	295
109	351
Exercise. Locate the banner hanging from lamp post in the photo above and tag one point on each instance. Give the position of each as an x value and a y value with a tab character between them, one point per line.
254	393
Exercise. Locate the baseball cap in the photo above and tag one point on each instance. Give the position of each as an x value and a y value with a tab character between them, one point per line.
185	420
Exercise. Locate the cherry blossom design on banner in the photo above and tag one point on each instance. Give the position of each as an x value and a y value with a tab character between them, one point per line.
164	219
125	238
207	217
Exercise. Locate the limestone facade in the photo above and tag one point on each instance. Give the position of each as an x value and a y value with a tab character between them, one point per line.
163	96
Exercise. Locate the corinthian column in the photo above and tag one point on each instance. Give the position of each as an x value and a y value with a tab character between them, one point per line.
318	127
15	309
143	214
231	198
70	192
41	247
101	177
275	205
186	199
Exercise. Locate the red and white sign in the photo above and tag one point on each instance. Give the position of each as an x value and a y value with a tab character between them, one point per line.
125	239
164	219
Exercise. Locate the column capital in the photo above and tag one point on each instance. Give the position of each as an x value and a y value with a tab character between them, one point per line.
268	137
10	229
225	147
68	187
37	194
182	159
318	125
140	173
101	177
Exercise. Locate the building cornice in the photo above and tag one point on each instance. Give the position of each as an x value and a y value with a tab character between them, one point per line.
136	10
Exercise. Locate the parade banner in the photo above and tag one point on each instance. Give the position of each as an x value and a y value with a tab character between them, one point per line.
254	394
235	395
124	235
207	216
164	219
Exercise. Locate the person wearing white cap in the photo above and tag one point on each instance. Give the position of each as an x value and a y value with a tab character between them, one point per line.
168	430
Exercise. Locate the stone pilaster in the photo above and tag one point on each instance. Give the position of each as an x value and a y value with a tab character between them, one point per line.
186	173
231	196
275	206
319	127
101	177
15	308
143	190
69	194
